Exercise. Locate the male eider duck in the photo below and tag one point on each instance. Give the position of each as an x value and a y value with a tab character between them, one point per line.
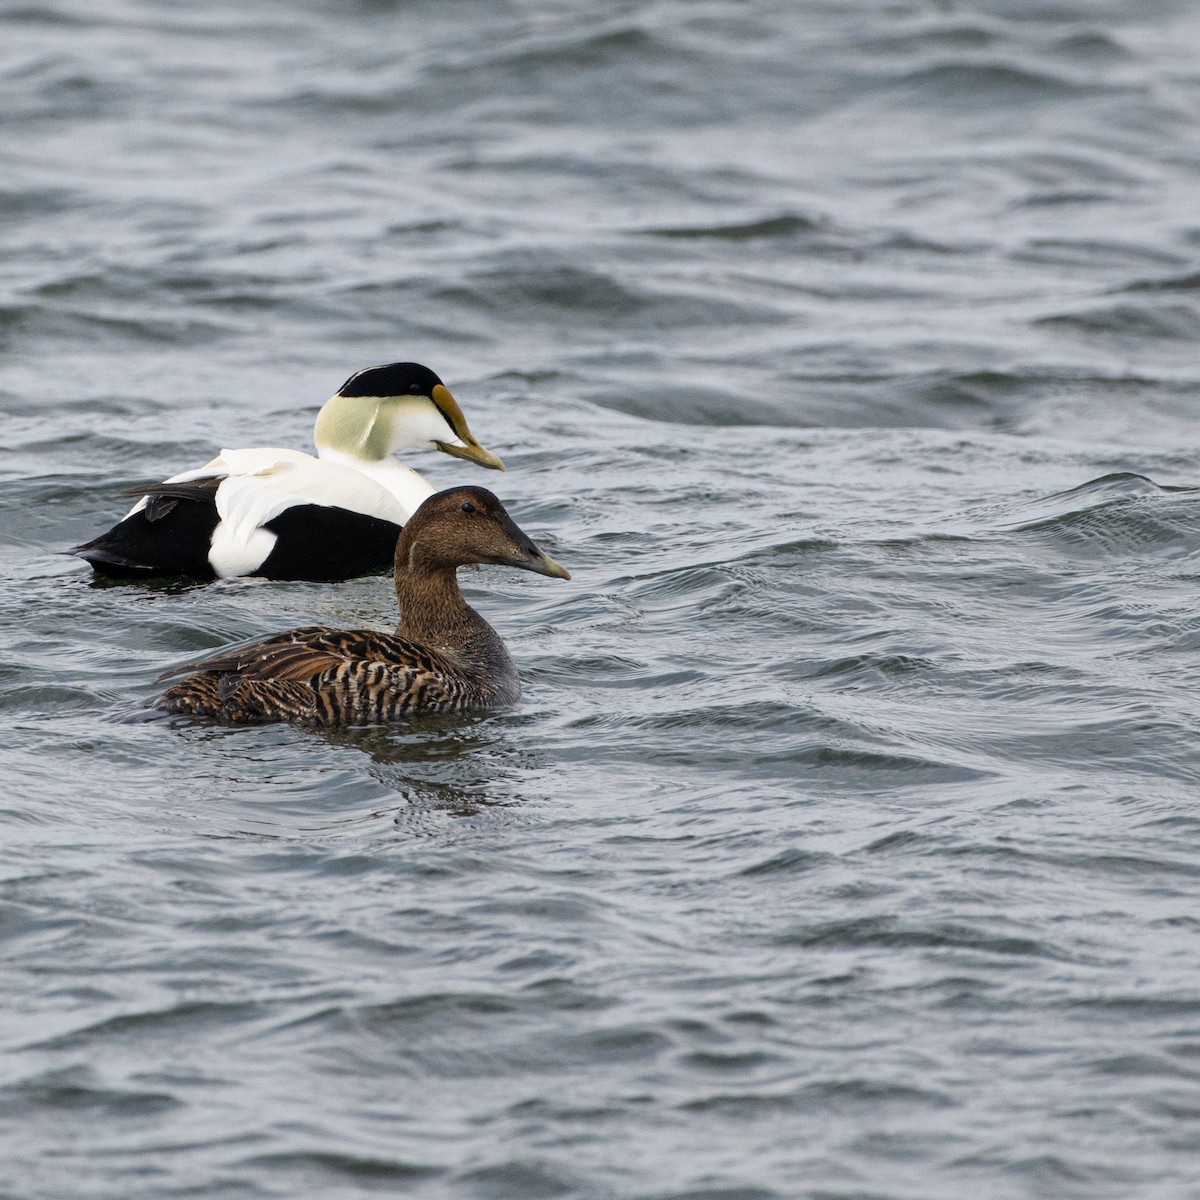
283	514
443	658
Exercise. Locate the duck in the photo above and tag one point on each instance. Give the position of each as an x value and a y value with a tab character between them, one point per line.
283	514
443	658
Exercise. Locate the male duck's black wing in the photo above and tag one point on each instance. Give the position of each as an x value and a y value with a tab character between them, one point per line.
170	534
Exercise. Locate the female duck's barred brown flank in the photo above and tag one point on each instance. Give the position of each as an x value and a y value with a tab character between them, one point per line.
443	658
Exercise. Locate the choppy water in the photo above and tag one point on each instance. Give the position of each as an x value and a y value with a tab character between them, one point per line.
846	843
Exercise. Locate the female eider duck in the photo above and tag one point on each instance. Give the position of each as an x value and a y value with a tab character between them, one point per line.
283	514
443	658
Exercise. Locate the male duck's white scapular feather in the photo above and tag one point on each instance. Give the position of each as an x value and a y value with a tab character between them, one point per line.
250	498
284	514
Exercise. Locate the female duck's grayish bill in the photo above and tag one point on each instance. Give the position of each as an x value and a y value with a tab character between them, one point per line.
283	514
443	658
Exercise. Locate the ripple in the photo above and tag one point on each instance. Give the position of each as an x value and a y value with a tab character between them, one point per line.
978	84
516	1180
1162	321
74	1091
787	225
788	862
1187	282
1122	514
882	931
333	1169
1093	47
520	293
833	1094
153	1025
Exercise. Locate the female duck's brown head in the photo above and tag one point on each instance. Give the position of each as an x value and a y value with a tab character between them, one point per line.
467	525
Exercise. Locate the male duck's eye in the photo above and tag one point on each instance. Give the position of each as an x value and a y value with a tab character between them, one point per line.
468	507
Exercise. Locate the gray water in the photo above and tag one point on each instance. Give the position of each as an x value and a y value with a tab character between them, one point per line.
845	844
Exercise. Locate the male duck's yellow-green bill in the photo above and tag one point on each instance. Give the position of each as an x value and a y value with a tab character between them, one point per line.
470	448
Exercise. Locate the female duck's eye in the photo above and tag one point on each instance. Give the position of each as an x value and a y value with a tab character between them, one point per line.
468	507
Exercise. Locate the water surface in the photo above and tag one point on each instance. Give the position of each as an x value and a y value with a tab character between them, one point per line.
843	844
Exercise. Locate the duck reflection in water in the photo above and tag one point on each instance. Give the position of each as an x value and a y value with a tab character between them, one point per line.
459	766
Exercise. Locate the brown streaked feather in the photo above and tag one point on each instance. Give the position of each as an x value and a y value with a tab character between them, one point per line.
318	674
269	700
303	654
241	658
210	695
290	662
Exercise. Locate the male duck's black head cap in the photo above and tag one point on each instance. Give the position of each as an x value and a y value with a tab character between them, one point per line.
392	379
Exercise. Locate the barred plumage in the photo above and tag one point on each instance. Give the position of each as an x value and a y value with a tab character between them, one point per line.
443	658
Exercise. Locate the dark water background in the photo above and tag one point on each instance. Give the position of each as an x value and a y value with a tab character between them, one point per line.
846	844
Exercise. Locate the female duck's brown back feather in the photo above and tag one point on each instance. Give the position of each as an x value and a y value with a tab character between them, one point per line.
334	676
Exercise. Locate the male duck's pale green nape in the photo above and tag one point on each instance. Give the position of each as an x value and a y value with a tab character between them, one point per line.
443	658
393	407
